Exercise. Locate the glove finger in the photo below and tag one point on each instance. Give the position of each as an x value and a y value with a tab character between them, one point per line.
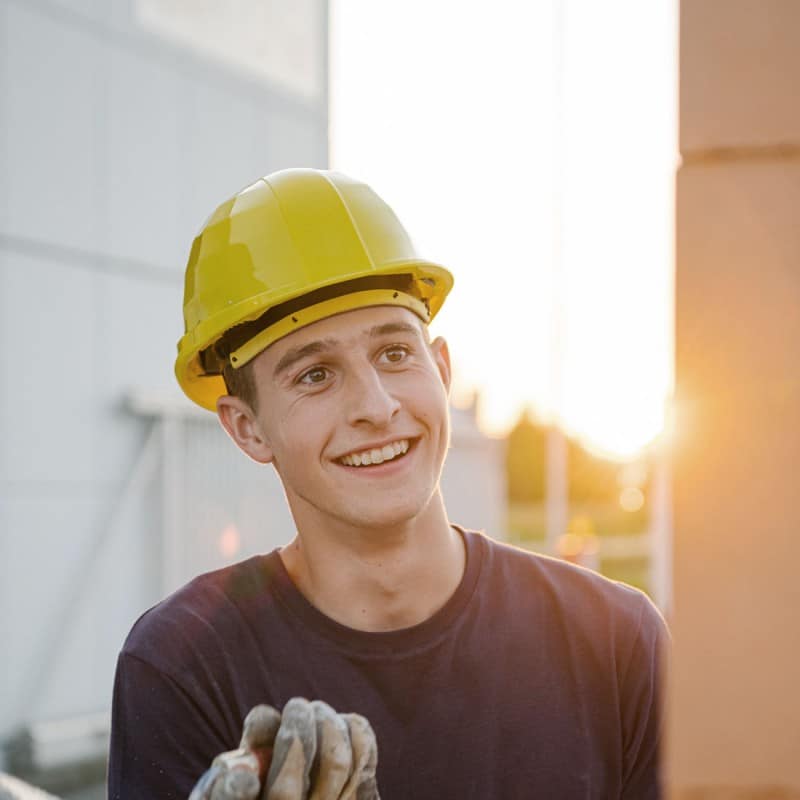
238	776
334	757
289	775
237	784
202	789
363	784
260	726
258	737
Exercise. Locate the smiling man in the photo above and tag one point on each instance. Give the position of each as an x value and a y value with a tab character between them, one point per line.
356	423
474	670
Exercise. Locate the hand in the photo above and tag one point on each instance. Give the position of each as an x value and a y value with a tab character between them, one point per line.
311	753
238	774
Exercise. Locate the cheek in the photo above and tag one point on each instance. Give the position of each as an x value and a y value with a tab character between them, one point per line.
302	429
293	415
428	399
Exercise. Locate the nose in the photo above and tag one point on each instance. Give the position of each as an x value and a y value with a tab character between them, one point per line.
370	401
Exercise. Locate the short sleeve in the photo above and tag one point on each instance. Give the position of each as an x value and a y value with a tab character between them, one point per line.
642	693
161	740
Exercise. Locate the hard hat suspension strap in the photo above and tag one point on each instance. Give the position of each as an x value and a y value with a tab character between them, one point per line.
243	342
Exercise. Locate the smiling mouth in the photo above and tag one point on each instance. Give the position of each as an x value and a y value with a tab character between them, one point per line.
378	455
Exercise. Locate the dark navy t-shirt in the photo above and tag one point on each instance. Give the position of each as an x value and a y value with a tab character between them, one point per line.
537	679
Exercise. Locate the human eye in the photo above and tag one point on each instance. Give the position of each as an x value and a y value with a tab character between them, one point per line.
313	377
396	353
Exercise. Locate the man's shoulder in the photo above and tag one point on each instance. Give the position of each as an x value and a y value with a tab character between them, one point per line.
574	593
211	606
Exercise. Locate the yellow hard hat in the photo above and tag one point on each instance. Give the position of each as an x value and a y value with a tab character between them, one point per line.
291	249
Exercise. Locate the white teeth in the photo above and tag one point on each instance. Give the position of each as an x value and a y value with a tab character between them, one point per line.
376	455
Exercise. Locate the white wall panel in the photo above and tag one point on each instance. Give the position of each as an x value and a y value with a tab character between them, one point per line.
7	617
6	388
47	314
267	40
5	79
121	13
289	141
140	323
147	108
81	568
95	10
53	154
221	157
6	568
47	534
119	580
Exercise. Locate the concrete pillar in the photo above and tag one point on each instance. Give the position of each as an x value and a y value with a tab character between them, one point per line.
734	729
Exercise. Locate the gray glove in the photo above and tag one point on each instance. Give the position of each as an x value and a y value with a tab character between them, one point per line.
308	753
238	774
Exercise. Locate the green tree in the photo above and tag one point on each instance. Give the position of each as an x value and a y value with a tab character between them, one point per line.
525	460
591	479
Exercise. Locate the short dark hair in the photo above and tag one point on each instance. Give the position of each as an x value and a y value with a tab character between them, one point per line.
241	383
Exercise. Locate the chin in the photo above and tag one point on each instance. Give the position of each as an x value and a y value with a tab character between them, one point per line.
380	511
393	516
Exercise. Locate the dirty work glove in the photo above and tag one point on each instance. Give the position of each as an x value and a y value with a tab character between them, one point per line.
313	754
238	774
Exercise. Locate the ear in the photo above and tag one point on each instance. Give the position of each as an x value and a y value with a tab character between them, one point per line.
441	355
242	425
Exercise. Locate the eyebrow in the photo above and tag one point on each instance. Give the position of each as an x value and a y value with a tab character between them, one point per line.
296	354
291	357
392	327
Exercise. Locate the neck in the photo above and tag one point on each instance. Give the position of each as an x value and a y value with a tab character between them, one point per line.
378	580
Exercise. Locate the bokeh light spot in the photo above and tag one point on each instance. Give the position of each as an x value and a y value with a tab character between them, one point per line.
229	541
631	498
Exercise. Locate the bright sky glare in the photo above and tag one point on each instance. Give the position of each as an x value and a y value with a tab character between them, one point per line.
542	175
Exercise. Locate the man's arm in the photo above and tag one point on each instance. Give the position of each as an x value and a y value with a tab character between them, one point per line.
161	741
162	744
643	690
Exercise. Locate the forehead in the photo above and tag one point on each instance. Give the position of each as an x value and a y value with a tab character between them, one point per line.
344	330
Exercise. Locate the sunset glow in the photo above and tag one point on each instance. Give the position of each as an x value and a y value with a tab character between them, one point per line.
541	174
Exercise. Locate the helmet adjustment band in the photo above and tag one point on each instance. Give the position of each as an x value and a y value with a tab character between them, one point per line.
217	356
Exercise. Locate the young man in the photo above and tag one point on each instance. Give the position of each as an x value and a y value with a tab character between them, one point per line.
485	672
